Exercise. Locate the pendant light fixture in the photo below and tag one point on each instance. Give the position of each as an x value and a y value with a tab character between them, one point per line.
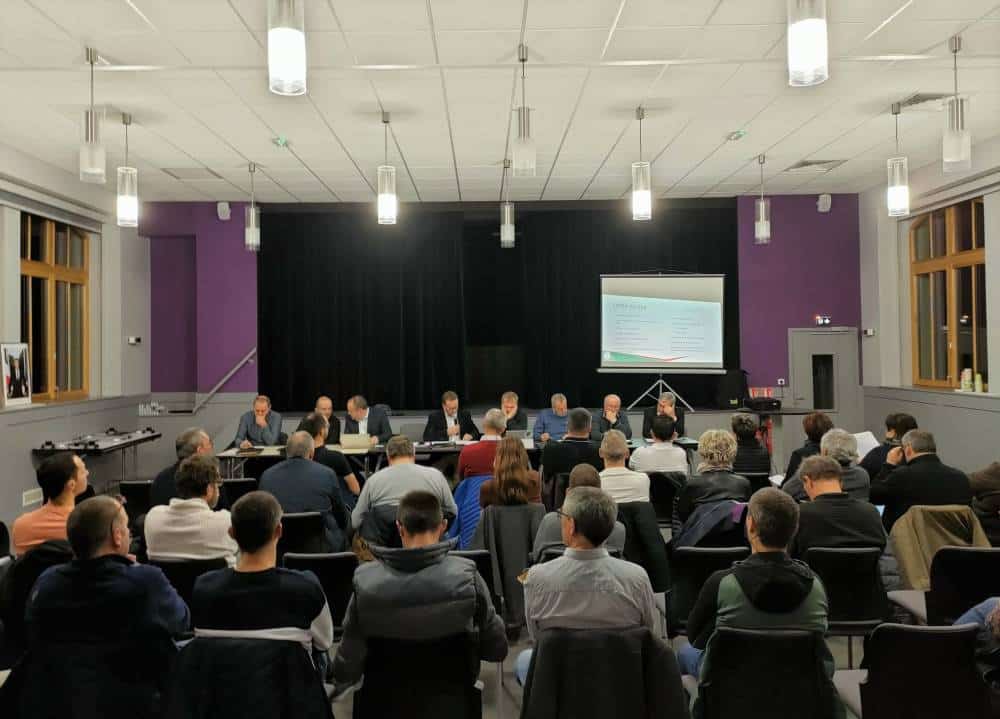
388	206
286	47
808	59
762	212
92	159
525	159
128	186
642	196
957	145
897	196
506	211
251	218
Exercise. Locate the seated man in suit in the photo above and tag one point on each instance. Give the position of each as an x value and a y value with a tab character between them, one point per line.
62	477
362	419
261	426
517	418
301	485
611	417
549	533
315	424
575	448
551	423
450	423
419	592
896	425
192	441
662	455
324	406
618	481
666	406
831	517
923	479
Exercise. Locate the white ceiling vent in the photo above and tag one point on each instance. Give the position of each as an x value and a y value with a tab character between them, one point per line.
815	166
191	173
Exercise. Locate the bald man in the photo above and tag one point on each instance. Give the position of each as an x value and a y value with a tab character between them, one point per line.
611	417
324	406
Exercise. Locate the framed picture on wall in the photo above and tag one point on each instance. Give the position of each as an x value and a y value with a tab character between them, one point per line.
16	374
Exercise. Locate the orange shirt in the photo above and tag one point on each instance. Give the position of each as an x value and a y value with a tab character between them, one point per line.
45	523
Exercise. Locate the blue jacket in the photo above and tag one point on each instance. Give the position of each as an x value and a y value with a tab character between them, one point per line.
302	485
549	421
259	435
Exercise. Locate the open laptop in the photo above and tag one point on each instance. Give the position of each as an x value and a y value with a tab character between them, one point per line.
355	441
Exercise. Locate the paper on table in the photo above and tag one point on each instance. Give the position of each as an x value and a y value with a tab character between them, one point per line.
866	443
777	479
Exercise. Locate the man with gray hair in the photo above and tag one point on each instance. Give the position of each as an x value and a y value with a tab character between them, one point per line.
611	417
477	459
192	441
551	423
559	458
301	485
842	447
913	474
666	406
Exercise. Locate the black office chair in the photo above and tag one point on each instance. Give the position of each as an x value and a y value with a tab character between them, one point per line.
554	490
379	527
854	591
644	543
961	577
335	572
663	488
484	565
690	569
303	533
917	673
758	480
183	573
4	540
236	487
138	499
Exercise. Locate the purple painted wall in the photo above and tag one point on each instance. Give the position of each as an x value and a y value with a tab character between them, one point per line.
811	267
223	280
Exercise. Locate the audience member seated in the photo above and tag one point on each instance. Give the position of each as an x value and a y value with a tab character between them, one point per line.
517	418
986	616
450	423
715	481
767	591
666	406
15	587
324	407
832	517
417	593
477	459
611	417
552	423
815	425
301	485
188	528
913	474
549	534
61	477
586	588
362	419
751	455
315	425
842	447
896	425
256	599
191	441
388	486
262	426
514	481
100	628
662	455
985	486
618	481
575	447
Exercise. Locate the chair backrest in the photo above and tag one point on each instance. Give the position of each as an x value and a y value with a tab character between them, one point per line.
663	487
550	553
509	534
554	495
644	543
484	565
758	480
335	572
853	583
961	577
138	498
690	568
182	573
753	673
233	489
303	532
414	431
4	540
379	527
923	673
385	408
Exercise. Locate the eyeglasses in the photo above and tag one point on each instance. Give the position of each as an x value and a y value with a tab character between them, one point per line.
563	514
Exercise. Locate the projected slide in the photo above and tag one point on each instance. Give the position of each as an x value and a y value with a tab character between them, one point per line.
662	323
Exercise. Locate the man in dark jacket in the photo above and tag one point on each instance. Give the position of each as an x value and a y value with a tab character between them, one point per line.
450	422
193	440
666	406
417	593
317	426
896	425
611	417
574	448
923	479
324	408
362	419
517	418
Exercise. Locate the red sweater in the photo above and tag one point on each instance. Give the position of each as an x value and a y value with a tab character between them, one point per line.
477	459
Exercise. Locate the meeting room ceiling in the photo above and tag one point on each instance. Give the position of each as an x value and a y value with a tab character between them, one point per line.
193	75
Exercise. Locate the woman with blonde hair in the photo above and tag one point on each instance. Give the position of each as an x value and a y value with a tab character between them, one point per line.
514	481
715	481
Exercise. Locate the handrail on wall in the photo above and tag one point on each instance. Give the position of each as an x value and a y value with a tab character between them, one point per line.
225	378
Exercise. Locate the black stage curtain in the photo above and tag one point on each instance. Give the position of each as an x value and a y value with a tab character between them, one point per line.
401	313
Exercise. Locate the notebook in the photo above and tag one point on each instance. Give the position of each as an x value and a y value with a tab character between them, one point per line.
355	441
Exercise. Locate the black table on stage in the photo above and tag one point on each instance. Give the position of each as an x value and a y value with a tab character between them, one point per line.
103	443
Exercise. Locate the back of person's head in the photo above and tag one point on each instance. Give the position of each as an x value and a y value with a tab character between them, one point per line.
890	420
578	421
775	516
195	475
300	444
841	445
358	402
744	426
189	441
820	468
313	423
494	420
419	512
255	517
920	441
593	512
663	427
816	424
614	446
90	525
54	472
399	446
903	423
717	448
584	475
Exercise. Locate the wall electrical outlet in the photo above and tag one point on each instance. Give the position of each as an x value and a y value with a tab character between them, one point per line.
31	496
781	381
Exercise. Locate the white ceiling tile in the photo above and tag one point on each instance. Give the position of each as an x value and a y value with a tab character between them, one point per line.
742	42
95	18
190	14
254	13
392	48
558	46
571	13
662	13
477	47
381	15
665	43
223	49
750	12
476	15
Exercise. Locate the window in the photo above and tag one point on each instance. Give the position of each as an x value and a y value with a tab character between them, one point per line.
54	316
948	294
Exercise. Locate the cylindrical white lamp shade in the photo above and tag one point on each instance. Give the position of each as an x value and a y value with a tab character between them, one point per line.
387	204
507	225
92	159
956	151
897	196
128	197
251	235
642	196
286	47
808	60
524	147
762	221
